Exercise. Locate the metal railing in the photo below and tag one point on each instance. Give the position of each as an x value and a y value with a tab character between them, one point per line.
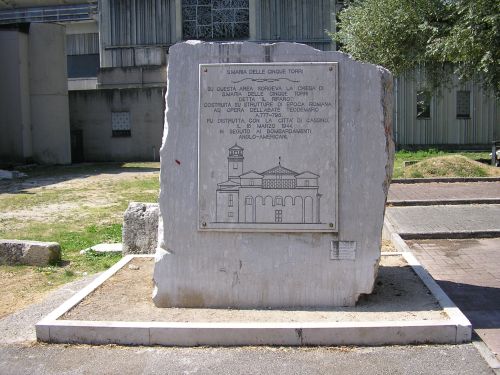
58	13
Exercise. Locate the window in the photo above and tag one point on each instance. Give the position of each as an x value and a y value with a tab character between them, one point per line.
248	201
81	66
251	182
235	165
120	124
423	104
215	19
307	183
463	104
230	200
278	216
230	214
279	201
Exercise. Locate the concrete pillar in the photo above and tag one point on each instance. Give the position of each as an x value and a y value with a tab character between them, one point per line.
178	20
252	18
15	121
49	94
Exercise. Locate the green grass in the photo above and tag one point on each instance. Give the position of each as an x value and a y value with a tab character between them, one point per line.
91	213
404	155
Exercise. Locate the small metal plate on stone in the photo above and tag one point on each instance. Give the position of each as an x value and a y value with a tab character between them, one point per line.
343	250
267	150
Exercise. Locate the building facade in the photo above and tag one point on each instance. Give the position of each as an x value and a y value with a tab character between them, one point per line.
117	53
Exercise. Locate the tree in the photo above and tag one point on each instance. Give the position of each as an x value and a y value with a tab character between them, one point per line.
437	34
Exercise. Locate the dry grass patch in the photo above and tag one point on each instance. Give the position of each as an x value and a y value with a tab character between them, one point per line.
449	166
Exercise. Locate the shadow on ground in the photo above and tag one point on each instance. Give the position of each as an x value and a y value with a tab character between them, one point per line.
480	304
40	176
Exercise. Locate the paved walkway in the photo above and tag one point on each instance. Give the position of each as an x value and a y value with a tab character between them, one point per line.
440	221
467	269
469	272
81	359
444	192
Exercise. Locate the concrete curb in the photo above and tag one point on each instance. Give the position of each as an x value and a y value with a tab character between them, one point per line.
446	202
488	355
443	179
50	329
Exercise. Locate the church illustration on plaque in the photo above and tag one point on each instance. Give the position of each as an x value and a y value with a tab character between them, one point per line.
278	195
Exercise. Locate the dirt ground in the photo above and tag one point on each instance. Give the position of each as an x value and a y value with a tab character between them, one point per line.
76	194
20	288
399	295
62	196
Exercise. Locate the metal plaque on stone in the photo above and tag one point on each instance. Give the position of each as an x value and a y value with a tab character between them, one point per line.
267	147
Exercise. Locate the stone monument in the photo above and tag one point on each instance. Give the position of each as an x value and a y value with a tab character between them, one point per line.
275	167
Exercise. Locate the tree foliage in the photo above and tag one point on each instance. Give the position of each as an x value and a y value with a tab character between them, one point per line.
437	34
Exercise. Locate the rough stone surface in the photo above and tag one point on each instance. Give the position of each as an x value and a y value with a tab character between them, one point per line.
196	268
140	228
32	253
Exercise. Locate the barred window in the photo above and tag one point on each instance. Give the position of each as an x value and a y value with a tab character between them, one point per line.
463	104
120	124
215	19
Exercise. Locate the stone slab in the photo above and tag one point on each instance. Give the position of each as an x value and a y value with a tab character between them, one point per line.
105	248
32	253
195	268
9	175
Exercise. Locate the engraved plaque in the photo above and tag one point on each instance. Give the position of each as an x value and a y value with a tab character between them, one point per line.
343	250
267	157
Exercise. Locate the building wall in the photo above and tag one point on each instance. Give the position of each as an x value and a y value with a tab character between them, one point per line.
136	32
295	21
91	117
443	128
49	94
15	120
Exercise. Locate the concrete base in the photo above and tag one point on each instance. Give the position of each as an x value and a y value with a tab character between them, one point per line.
457	329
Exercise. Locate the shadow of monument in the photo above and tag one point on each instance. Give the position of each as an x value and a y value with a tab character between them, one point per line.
480	304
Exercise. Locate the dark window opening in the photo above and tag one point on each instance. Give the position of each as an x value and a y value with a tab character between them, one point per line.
423	104
463	104
82	66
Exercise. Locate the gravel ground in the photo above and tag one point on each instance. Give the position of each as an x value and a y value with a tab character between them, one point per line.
19	327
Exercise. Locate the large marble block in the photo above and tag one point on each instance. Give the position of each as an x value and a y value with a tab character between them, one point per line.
275	167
